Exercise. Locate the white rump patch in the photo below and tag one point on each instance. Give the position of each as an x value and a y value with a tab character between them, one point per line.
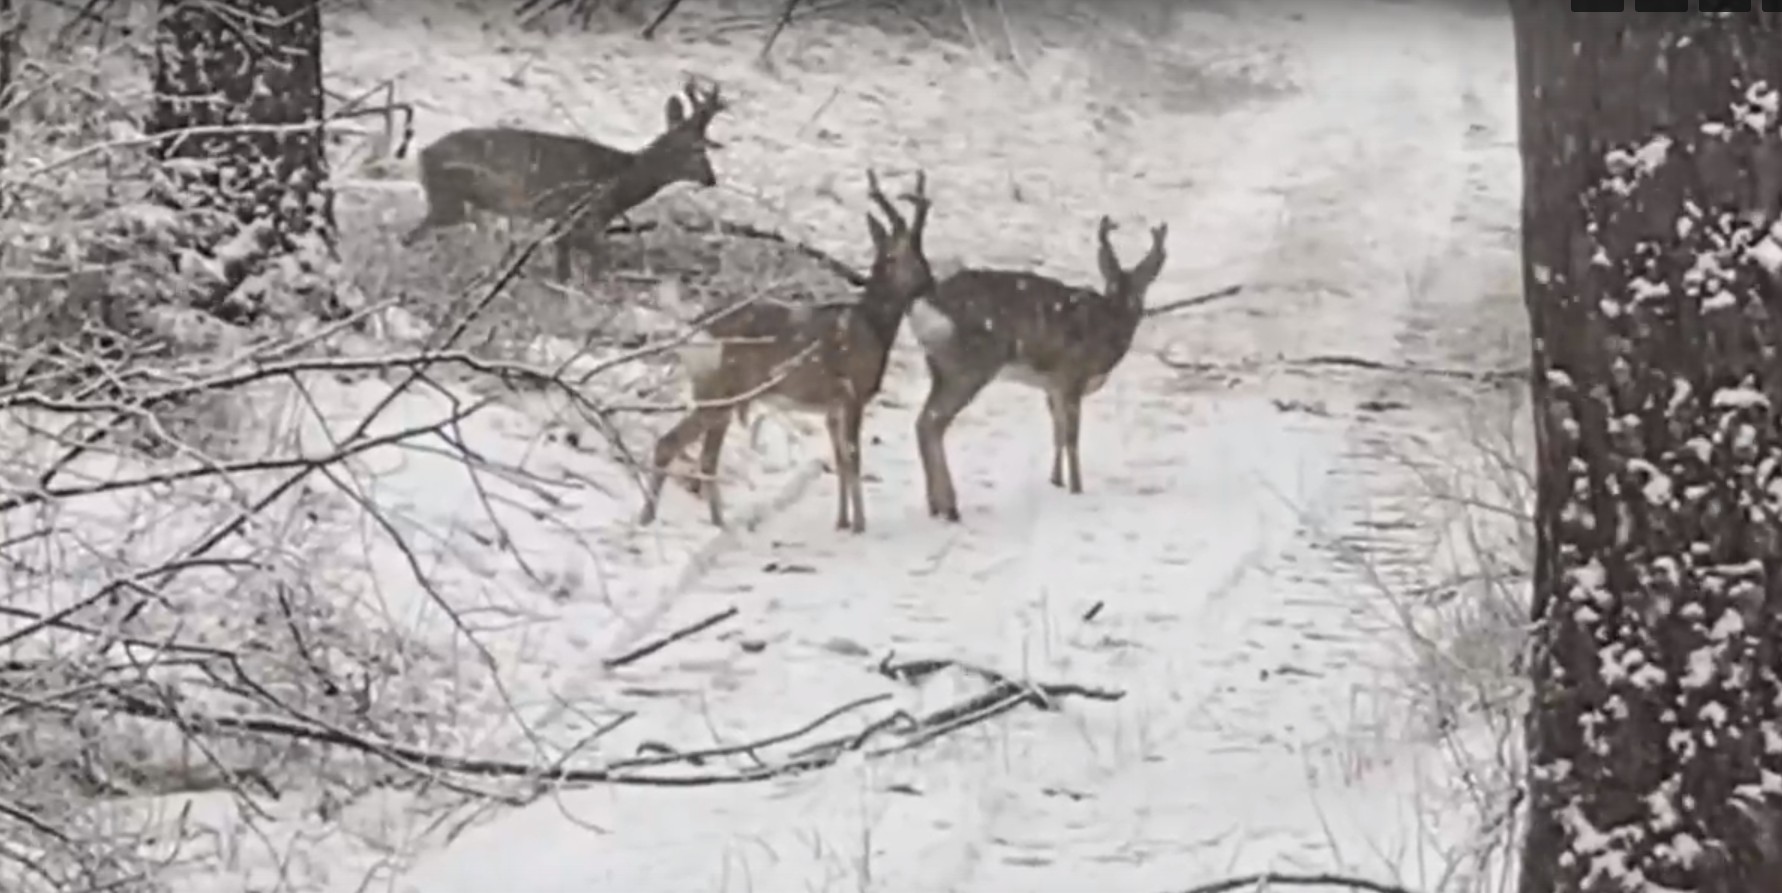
701	355
932	327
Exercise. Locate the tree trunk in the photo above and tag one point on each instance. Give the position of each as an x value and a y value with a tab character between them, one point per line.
10	26
1650	165
238	104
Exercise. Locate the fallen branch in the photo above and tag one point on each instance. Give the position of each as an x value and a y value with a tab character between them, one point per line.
617	772
1267	879
655	753
1196	301
1483	376
649	648
911	671
649	31
1003	696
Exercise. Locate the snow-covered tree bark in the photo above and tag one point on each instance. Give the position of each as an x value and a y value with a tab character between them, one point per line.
1650	162
9	48
238	104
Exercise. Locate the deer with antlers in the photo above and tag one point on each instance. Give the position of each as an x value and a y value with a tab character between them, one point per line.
1064	340
825	358
531	174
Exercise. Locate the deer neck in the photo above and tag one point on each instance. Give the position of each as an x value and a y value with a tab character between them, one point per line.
883	307
641	180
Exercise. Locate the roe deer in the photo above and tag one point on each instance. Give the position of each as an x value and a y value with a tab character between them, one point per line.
531	174
1030	329
824	358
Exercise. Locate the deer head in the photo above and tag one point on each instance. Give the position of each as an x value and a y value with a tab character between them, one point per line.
682	149
1129	285
898	261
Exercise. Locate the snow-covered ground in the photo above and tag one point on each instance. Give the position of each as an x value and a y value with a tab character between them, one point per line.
1238	566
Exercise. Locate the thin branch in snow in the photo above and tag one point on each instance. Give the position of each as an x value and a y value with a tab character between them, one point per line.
649	648
1268	879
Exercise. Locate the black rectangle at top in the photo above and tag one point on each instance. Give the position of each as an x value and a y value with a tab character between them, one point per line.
1675	5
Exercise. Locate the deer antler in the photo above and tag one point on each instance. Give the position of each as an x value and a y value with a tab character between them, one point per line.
918	199
703	104
1111	271
898	224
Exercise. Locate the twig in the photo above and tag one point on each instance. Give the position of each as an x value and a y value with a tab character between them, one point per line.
1484	376
779	25
650	648
105	590
1263	880
1004	694
616	772
1196	301
663	754
649	31
230	468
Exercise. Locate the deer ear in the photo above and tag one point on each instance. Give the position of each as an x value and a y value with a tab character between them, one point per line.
1147	269
881	240
676	112
1104	256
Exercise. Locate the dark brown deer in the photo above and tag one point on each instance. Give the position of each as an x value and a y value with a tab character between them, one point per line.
1028	328
531	174
817	358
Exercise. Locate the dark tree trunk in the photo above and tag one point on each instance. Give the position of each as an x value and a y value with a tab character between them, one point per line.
10	26
1649	146
238	101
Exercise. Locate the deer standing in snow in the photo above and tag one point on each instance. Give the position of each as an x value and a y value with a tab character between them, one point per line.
1063	340
824	358
531	174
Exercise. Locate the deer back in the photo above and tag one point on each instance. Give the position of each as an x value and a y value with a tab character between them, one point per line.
520	172
824	352
813	349
1031	325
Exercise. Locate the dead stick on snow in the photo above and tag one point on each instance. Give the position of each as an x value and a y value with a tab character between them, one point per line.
649	648
1195	301
1267	879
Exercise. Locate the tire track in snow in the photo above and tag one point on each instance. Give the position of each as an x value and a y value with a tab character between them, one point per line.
1234	675
1286	651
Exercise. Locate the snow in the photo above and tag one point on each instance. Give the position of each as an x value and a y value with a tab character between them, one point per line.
1234	567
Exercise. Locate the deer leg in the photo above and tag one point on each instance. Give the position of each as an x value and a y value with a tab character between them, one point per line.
950	390
709	450
838	442
1072	403
441	212
438	217
851	420
1055	409
669	447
